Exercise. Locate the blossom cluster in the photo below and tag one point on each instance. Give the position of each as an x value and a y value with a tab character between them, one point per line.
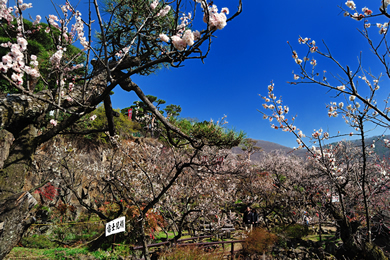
163	11
56	58
79	28
6	12
186	37
213	18
313	48
122	52
183	37
15	60
357	16
327	159
279	113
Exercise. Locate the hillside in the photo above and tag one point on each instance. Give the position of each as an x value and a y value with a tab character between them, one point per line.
270	146
380	149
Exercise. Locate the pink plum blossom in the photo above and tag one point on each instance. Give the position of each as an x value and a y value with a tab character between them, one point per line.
53	122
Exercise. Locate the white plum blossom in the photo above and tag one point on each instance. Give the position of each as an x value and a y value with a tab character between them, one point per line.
92	118
163	12
163	37
154	4
188	37
385	3
52	21
225	10
342	87
18	78
196	35
32	72
23	43
351	4
178	43
215	19
303	40
22	7
79	28
37	20
56	58
366	11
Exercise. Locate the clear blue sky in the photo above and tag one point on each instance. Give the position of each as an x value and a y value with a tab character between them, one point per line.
249	53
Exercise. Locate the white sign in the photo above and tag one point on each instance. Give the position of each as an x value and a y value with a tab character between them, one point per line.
116	226
335	198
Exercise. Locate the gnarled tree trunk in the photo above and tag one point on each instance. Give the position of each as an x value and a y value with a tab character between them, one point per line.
357	248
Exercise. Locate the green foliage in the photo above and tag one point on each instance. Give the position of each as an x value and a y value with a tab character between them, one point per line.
123	127
69	253
190	253
141	110
208	133
173	110
282	178
296	231
127	17
259	241
147	120
38	241
249	145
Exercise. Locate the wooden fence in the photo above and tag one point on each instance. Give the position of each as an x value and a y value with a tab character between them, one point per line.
200	244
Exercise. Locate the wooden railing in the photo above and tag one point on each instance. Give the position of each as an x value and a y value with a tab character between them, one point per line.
201	244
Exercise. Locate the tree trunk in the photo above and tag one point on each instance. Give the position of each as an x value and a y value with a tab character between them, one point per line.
14	204
355	248
6	140
14	219
145	249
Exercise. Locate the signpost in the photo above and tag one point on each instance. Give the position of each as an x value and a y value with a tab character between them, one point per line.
335	198
116	226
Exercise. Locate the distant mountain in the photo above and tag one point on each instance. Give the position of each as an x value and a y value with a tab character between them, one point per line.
268	147
380	149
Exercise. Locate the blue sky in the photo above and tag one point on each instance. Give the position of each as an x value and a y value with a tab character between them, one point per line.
249	53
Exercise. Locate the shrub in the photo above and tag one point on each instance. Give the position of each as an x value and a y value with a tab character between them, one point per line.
190	253
37	241
258	241
296	231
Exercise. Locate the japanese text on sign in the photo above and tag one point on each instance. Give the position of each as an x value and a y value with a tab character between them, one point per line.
116	226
